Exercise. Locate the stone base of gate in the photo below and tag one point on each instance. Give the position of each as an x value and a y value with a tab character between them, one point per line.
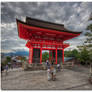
35	66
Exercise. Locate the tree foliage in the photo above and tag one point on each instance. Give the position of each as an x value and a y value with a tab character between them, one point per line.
83	56
45	56
89	27
72	53
23	59
89	34
8	60
86	49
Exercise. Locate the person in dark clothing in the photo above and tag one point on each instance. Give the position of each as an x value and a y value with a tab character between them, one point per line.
2	69
48	64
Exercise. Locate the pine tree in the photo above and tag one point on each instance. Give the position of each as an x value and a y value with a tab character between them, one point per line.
89	35
87	44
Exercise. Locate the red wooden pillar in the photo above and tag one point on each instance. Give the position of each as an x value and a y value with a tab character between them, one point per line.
30	55
56	55
63	55
41	55
49	55
52	54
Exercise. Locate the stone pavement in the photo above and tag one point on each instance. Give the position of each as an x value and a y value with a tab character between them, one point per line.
68	79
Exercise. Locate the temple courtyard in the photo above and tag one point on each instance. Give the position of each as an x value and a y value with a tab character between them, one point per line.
75	78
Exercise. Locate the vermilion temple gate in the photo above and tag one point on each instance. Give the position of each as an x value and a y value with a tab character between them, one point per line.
42	35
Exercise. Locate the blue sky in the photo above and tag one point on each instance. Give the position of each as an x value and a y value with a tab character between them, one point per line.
73	15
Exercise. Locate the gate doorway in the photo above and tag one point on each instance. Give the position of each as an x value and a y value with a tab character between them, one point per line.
49	55
52	56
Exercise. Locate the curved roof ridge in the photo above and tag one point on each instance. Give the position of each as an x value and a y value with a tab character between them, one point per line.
56	27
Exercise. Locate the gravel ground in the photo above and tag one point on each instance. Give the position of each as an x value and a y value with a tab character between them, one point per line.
75	78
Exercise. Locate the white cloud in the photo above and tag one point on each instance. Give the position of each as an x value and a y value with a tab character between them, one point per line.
73	15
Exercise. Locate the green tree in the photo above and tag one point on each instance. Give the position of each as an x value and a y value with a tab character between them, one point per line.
89	34
84	56
23	59
8	59
73	53
68	53
45	56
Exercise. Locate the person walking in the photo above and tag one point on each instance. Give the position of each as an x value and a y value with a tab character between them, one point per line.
58	67
2	69
53	72
6	69
48	70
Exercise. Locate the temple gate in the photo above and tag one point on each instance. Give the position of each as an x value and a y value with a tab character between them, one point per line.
43	35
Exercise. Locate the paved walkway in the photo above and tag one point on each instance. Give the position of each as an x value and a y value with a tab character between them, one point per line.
67	79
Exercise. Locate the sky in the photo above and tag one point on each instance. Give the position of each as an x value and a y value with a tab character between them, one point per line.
74	16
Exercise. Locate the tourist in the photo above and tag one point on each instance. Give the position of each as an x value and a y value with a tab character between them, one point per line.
6	68
48	70
2	69
58	67
49	74
48	64
53	72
